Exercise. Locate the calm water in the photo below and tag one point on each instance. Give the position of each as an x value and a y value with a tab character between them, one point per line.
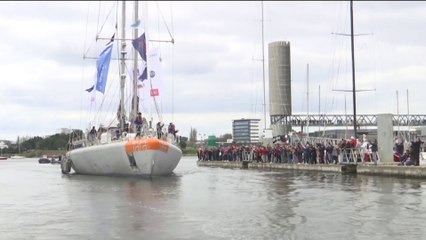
38	202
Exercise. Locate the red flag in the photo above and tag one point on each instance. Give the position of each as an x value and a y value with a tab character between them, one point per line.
154	92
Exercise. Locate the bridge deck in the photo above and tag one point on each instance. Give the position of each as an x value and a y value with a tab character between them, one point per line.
345	120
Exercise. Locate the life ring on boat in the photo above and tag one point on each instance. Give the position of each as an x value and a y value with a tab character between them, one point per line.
66	166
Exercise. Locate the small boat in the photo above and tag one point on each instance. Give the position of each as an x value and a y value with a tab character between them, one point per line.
53	161
44	159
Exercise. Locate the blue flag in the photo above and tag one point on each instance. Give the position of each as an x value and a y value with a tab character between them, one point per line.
140	45
102	66
143	76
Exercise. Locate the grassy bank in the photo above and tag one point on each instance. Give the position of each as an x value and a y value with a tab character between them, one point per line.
40	153
189	152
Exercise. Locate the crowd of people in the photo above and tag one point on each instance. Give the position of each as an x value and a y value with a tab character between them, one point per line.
411	156
284	152
345	150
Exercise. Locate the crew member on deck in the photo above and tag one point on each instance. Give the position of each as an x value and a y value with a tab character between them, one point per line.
92	135
138	123
172	130
159	130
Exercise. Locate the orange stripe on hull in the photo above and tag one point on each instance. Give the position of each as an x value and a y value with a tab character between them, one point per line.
146	144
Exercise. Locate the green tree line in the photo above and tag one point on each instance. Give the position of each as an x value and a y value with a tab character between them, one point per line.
56	142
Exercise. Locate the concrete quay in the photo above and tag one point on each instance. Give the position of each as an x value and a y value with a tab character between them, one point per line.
360	168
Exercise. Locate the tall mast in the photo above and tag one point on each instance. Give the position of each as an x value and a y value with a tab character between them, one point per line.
319	105
397	109
135	103
123	63
307	98
353	69
408	112
263	72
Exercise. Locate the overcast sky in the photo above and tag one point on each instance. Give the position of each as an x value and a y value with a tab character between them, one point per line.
213	73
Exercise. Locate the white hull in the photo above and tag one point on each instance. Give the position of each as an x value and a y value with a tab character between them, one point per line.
149	156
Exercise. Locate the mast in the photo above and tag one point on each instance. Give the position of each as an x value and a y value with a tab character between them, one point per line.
307	98
408	114
263	72
319	105
135	99
122	64
346	120
353	69
397	110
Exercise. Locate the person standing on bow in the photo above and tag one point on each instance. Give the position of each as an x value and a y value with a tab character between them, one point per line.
172	130
159	130
92	135
138	123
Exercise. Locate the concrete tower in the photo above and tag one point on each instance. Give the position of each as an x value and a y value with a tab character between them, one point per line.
279	87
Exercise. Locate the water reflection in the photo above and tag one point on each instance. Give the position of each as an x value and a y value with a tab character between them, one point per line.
208	203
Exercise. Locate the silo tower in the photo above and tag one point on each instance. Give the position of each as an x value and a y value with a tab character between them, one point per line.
279	87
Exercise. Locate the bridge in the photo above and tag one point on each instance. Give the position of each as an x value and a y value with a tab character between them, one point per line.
363	120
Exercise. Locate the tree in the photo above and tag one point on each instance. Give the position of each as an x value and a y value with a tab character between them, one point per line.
31	143
193	135
182	144
224	137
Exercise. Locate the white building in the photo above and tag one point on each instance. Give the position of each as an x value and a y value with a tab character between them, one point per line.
246	130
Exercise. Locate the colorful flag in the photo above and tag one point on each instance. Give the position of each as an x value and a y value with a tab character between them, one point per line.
90	88
155	66
154	92
140	45
112	39
144	75
102	68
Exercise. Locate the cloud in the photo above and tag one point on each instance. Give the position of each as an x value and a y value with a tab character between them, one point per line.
213	73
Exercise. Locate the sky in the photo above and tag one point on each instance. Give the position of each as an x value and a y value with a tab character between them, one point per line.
213	73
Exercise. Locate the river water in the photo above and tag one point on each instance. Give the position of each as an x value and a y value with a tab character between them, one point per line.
38	202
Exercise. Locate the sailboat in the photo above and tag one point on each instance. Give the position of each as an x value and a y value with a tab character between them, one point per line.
120	149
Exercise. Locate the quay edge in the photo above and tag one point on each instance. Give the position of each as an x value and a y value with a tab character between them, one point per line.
360	168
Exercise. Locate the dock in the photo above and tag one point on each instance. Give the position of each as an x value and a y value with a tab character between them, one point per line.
387	169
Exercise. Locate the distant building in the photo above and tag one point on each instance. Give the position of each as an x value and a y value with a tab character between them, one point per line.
64	131
246	130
